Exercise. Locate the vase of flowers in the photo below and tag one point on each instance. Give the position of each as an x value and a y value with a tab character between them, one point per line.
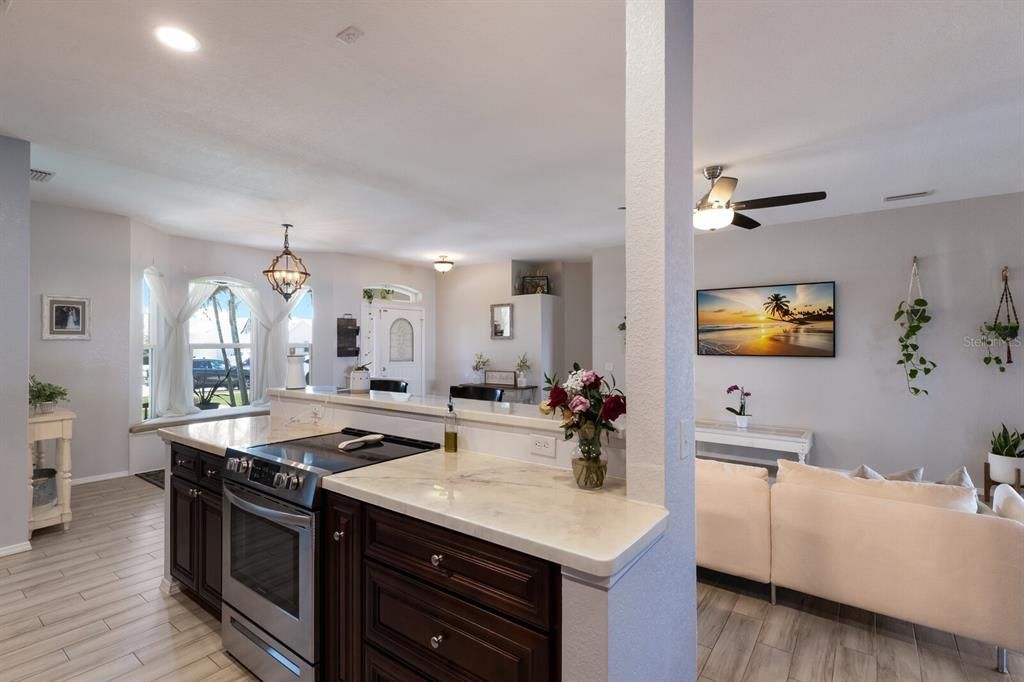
742	418
480	362
522	367
588	406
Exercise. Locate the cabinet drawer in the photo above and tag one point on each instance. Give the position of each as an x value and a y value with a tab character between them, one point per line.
211	472
379	668
447	637
185	462
514	584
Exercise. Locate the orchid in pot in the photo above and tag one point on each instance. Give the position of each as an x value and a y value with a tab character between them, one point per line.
742	418
588	406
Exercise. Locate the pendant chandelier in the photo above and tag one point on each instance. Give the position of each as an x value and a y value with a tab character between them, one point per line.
286	273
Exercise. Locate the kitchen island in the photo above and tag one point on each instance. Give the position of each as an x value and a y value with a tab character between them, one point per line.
479	543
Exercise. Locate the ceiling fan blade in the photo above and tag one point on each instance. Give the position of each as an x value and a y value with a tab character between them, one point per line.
784	200
721	191
740	220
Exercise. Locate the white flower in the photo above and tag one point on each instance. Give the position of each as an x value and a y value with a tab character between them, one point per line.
574	383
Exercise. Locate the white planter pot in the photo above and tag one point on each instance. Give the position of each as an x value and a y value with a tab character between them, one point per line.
742	422
1004	469
359	382
46	408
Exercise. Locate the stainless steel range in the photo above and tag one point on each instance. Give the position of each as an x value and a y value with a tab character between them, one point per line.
270	616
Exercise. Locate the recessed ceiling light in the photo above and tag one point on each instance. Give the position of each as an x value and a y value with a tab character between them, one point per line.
177	39
350	34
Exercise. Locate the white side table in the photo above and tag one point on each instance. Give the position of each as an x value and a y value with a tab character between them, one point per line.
54	425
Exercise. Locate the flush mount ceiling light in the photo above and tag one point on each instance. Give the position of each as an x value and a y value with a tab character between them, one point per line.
176	39
443	265
286	273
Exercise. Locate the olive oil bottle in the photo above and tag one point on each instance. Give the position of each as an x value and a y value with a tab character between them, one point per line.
451	429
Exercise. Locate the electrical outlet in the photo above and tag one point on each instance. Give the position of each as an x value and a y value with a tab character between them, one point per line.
542	445
609	367
318	413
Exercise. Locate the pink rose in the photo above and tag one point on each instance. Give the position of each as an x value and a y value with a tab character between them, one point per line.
579	404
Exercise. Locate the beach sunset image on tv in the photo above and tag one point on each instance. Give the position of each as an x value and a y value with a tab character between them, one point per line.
789	320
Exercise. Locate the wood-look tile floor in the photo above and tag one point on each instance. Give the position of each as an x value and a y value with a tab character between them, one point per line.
86	604
742	637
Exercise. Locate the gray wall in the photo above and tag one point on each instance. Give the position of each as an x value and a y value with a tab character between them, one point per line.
76	252
14	263
857	403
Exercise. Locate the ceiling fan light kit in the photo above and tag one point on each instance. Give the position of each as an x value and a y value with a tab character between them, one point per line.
716	208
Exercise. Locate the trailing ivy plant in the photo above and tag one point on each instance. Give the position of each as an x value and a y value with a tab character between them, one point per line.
913	316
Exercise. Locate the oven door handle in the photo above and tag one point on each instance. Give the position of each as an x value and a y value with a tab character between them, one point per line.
283	518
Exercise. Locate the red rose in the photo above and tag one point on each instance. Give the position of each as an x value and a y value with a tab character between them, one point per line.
613	408
595	382
557	396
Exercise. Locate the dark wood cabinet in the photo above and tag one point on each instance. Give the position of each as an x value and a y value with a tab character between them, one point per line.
410	601
342	536
196	518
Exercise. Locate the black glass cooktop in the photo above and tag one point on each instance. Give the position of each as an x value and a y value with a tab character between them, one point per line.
321	453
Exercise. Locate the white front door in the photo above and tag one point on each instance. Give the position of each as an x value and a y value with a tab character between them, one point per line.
398	351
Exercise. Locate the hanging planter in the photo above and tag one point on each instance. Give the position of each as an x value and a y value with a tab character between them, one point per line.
1003	331
912	314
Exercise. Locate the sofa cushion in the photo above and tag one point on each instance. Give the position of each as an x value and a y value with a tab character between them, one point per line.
1008	503
864	471
930	494
959	477
713	466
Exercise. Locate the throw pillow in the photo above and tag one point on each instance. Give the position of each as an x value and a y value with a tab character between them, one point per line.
959	477
1008	503
864	471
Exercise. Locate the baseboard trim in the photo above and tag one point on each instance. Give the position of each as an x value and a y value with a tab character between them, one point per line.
102	477
15	549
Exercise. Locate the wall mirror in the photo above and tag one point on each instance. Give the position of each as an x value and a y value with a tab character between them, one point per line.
501	321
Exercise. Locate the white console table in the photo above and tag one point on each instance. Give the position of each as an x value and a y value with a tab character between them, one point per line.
762	437
54	425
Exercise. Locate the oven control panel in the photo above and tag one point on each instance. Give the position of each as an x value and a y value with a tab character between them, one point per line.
263	472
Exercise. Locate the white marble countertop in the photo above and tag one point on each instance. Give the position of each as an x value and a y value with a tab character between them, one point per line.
216	437
511	414
532	508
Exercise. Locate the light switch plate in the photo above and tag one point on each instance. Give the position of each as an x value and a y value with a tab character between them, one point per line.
543	446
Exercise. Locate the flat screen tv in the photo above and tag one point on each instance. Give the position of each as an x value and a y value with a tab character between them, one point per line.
784	320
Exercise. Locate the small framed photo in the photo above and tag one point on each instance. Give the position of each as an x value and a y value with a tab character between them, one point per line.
66	317
499	377
535	284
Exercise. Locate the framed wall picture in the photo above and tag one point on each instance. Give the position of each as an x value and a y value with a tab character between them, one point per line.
66	317
499	377
783	320
535	284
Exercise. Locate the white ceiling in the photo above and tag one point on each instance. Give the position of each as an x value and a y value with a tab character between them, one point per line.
489	130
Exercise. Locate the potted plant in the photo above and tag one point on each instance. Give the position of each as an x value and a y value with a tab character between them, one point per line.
742	418
368	295
359	378
522	367
480	362
43	397
588	405
1006	456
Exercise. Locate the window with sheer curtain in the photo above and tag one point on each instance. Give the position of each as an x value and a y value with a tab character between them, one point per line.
220	341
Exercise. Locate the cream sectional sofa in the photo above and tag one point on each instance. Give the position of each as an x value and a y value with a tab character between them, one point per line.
918	552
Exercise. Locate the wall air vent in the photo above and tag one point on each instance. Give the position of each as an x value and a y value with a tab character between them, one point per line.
912	195
39	176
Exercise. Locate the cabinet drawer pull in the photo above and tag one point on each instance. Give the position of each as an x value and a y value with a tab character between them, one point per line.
436	641
338	535
211	473
181	462
436	560
193	492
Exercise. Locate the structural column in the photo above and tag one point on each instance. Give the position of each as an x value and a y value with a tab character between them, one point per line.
641	624
14	307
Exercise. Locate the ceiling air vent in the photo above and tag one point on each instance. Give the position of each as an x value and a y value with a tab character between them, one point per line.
912	195
39	176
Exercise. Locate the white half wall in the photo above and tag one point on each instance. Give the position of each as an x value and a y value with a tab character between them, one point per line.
14	263
76	252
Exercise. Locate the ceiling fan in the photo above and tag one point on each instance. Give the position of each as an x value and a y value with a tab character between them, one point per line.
716	208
